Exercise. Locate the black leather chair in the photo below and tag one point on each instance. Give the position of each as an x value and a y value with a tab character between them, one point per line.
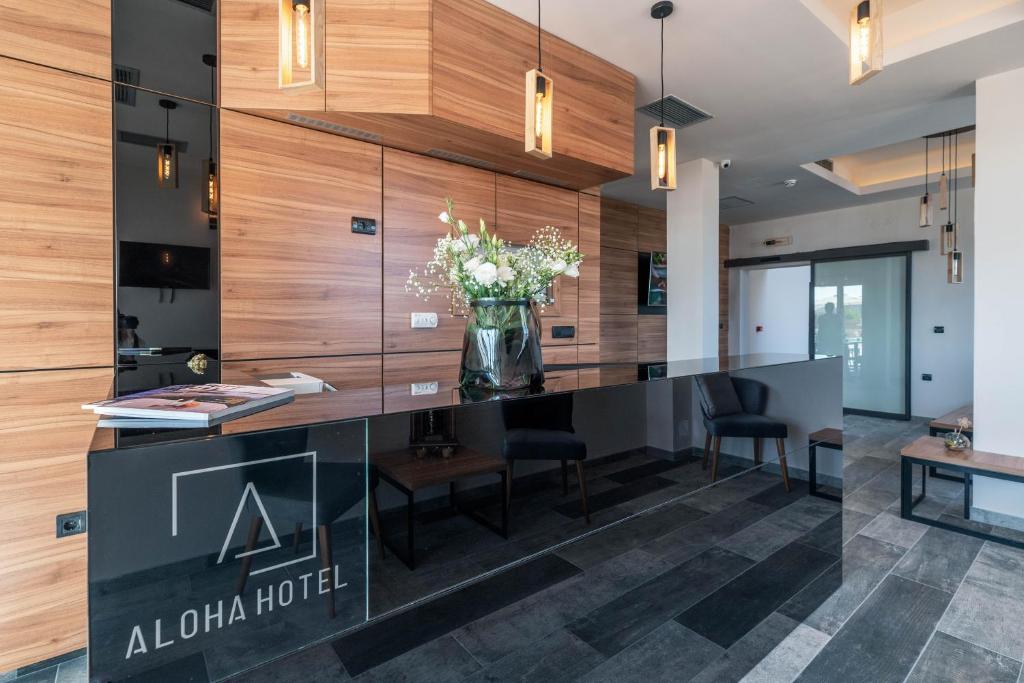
734	407
541	429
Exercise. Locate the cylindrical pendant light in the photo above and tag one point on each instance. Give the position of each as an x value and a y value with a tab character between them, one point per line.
300	61
955	257
166	153
663	139
540	94
944	180
211	187
865	40
925	214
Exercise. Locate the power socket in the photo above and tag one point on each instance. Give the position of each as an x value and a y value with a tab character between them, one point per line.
423	388
423	320
71	524
926	377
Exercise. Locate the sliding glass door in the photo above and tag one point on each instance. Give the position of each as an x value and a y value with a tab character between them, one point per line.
860	311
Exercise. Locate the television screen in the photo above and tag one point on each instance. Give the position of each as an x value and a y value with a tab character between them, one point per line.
141	264
657	285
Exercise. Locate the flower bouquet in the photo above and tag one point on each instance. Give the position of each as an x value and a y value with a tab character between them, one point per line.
502	285
957	440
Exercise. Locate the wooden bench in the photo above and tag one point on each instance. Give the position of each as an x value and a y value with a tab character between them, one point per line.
931	451
826	438
948	423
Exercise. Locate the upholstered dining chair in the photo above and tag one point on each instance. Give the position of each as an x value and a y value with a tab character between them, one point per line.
541	429
734	407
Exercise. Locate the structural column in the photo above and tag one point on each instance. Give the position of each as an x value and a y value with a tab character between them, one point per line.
693	262
998	320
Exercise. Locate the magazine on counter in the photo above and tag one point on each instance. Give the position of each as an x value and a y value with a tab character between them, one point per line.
200	405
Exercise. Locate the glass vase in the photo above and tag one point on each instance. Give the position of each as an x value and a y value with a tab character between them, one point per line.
501	349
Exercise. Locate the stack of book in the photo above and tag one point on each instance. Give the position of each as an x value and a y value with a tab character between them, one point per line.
187	406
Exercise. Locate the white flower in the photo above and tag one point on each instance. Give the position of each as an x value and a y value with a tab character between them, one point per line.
506	274
573	270
558	266
458	246
486	274
472	264
444	217
474	240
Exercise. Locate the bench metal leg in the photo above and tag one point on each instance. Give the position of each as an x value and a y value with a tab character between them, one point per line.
968	486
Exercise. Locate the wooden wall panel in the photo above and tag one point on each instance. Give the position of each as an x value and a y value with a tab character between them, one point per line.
73	35
378	59
249	60
618	224
618	338
56	219
618	281
652	342
651	232
401	370
560	355
523	207
295	279
415	188
46	435
589	284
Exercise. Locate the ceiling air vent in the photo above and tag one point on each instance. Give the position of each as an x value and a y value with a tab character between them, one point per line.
826	164
205	5
144	140
733	202
126	75
335	128
460	158
677	113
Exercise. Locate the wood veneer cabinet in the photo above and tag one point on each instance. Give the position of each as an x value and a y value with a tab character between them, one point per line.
651	232
652	342
523	208
56	219
295	279
402	370
73	35
588	330
415	188
618	339
618	281
46	435
443	77
618	224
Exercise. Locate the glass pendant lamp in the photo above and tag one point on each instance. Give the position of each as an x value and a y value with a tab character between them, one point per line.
167	152
300	44
925	213
955	257
663	138
865	40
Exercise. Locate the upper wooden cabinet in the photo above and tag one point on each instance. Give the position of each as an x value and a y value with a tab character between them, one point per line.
651	230
415	188
618	224
295	280
73	35
523	208
442	77
56	220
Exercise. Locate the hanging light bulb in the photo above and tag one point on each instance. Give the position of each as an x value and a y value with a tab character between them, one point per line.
955	257
167	153
663	139
301	33
948	241
211	189
865	40
955	267
925	213
540	93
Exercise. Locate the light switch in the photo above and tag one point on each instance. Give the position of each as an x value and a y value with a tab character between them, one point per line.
424	320
423	388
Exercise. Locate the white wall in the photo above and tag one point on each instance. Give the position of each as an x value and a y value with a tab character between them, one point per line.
948	357
999	325
776	300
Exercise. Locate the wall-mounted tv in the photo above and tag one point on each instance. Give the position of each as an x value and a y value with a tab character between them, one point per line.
142	264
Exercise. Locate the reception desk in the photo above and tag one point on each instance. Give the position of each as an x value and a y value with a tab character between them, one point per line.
214	551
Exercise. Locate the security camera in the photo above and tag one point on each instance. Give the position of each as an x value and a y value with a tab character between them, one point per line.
725	163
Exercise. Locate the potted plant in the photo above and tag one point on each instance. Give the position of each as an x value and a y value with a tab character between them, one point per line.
502	285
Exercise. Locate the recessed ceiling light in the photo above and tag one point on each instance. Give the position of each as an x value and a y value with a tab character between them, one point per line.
790	182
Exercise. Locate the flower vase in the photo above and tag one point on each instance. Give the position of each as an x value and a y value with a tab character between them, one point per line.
501	348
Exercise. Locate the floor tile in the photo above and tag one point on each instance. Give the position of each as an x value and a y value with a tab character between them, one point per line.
988	617
853	522
73	671
745	653
380	642
738	606
558	656
318	664
883	638
614	496
789	657
950	659
678	546
669	653
895	530
647	469
640	611
940	559
440	661
47	675
861	471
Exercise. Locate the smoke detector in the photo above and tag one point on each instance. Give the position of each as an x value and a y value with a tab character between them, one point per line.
790	182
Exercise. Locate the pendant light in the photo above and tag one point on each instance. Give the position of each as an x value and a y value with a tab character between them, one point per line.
925	215
540	94
865	40
955	257
950	228
211	188
166	152
944	180
663	139
300	44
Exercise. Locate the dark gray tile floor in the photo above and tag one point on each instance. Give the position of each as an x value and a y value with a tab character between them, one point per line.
915	603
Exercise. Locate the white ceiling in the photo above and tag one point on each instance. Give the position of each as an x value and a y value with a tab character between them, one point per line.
774	75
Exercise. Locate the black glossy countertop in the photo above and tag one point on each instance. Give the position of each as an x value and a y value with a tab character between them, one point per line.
387	399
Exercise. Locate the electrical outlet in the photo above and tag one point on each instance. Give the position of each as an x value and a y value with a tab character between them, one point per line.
364	226
71	524
926	377
939	329
424	320
423	388
563	331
